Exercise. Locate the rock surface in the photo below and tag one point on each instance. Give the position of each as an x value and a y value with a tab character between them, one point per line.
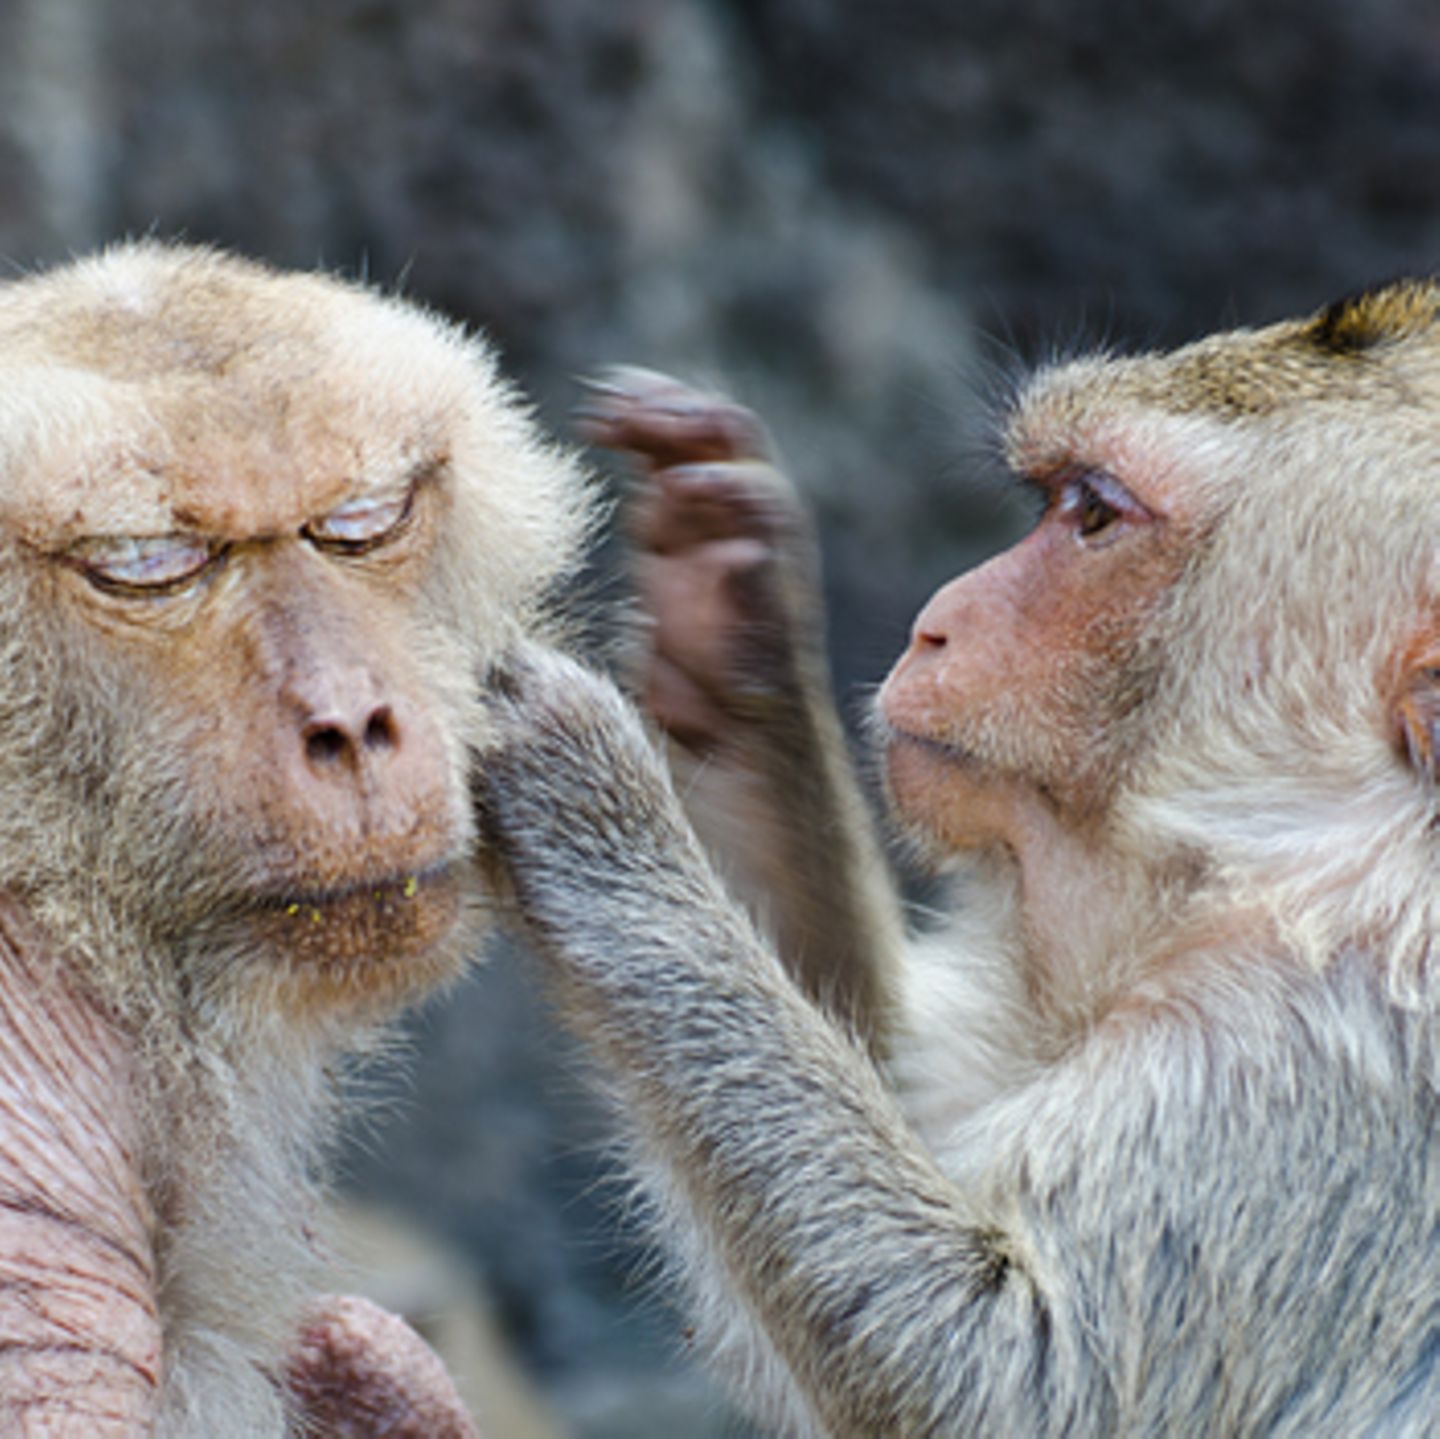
864	218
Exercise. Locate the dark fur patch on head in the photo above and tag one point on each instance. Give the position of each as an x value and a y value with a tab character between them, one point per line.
1374	317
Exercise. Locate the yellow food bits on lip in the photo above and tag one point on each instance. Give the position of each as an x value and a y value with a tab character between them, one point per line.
408	887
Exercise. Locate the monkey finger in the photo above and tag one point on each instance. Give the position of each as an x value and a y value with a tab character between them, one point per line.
566	743
681	706
693	504
666	422
532	681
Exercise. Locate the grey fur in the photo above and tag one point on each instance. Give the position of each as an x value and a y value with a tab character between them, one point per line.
1155	1146
1225	1223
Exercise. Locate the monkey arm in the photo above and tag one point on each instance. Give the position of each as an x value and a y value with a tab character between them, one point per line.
772	1140
733	668
781	813
80	1335
1111	1245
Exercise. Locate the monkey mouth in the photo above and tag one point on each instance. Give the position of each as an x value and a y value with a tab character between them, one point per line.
895	739
383	890
386	920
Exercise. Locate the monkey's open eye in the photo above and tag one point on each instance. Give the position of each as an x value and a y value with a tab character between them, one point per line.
147	564
1098	508
364	522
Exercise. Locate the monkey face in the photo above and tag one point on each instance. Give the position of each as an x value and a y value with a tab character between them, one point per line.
1013	705
263	534
1148	632
321	775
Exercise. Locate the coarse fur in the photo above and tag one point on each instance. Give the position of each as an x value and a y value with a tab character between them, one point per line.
178	808
1156	1149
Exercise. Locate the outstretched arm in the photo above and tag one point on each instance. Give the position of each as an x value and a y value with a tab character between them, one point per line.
787	1174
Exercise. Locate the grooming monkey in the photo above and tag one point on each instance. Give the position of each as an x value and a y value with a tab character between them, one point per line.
260	535
1151	1146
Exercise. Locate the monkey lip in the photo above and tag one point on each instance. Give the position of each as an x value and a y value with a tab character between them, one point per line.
392	919
922	774
381	890
899	741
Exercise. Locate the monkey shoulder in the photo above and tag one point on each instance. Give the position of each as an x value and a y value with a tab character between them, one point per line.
1231	1209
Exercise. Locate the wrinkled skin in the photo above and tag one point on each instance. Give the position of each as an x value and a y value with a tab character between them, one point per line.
81	1348
80	1342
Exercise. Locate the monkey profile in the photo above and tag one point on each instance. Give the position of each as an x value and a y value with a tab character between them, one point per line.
1145	1137
261	534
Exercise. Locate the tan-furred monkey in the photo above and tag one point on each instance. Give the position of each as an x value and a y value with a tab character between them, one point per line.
260	537
1144	1141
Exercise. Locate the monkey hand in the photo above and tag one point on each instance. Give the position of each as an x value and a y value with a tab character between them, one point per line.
724	559
734	671
574	802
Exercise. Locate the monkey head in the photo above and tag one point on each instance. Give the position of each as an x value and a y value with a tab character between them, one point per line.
1220	639
259	535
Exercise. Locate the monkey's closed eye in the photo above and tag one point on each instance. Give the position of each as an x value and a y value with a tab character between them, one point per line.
143	564
365	521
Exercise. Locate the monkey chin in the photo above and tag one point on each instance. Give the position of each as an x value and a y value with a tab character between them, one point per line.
370	947
948	799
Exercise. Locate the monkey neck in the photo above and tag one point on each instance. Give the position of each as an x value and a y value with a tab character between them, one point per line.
1088	914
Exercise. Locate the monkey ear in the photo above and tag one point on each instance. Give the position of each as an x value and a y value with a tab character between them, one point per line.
1416	711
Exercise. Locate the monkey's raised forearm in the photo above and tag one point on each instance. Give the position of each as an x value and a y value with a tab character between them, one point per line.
782	813
733	667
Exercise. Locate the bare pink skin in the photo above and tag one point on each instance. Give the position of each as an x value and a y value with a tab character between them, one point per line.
80	1338
359	1372
81	1352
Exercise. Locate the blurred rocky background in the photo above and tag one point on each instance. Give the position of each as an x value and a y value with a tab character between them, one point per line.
867	219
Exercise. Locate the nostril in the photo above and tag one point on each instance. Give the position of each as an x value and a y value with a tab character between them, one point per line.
381	731
929	640
325	745
335	740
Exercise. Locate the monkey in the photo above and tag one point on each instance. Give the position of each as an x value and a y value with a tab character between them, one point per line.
1141	1137
261	535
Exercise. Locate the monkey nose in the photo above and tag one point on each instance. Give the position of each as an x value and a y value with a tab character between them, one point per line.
929	631
333	739
951	613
